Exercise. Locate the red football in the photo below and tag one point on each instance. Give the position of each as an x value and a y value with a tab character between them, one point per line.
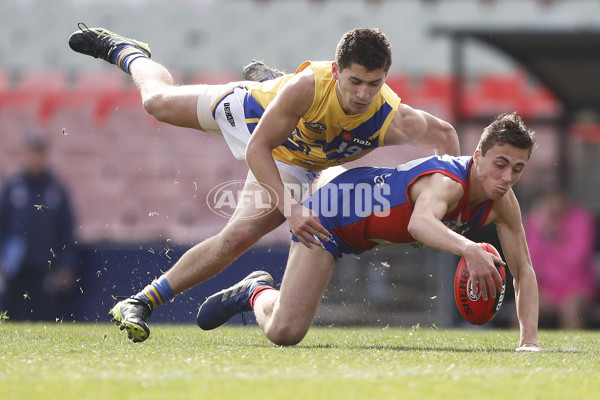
468	299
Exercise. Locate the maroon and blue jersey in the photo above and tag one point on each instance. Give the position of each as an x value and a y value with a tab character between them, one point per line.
368	206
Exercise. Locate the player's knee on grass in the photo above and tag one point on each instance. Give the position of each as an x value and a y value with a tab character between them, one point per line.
285	334
287	328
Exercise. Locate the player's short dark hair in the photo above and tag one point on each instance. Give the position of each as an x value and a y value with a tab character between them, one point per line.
368	47
507	128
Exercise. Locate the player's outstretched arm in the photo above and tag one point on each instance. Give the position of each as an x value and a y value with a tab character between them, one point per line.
419	128
279	120
433	196
514	245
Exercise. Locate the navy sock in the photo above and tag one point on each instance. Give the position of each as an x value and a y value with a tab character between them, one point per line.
123	55
157	293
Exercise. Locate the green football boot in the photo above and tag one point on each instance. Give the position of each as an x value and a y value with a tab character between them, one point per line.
131	315
101	43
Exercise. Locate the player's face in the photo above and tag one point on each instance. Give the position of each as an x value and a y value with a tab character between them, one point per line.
500	169
356	87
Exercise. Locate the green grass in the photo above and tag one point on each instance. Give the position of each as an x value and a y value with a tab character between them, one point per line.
96	361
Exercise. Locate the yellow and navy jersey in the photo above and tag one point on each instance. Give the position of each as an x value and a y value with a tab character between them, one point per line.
325	135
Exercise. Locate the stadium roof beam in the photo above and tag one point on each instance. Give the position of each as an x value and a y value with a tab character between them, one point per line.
566	61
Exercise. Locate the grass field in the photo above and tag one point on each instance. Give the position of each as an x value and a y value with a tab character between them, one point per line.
96	361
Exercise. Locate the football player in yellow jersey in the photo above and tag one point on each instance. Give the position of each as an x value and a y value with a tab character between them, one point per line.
287	129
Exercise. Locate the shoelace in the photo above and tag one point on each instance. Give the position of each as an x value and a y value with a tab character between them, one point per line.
83	28
86	31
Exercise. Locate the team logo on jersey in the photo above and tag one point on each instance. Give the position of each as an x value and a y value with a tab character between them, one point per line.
316	127
332	240
457	225
454	225
356	141
380	179
362	142
349	146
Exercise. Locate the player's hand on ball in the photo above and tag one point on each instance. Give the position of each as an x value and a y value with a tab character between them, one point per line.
480	264
468	291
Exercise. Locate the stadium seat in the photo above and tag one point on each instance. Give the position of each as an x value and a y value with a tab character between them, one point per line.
436	86
587	132
5	80
136	225
51	102
18	110
434	95
496	93
542	103
97	81
91	90
95	202
14	99
42	80
114	99
402	85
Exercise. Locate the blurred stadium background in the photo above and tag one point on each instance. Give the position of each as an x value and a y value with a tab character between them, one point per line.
139	187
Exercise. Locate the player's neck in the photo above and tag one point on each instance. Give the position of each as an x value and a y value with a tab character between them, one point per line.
477	194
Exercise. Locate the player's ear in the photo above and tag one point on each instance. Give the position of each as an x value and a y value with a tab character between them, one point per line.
477	156
335	71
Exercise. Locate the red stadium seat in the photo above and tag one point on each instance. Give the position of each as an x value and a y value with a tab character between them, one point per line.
434	95
542	103
18	110
588	132
5	81
45	80
52	101
402	85
111	101
436	86
95	81
497	93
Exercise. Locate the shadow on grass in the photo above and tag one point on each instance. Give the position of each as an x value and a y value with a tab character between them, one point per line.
446	349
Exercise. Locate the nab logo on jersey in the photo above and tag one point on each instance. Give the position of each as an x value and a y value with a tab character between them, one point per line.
351	145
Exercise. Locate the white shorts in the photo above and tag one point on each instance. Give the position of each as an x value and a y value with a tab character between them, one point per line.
230	121
228	118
